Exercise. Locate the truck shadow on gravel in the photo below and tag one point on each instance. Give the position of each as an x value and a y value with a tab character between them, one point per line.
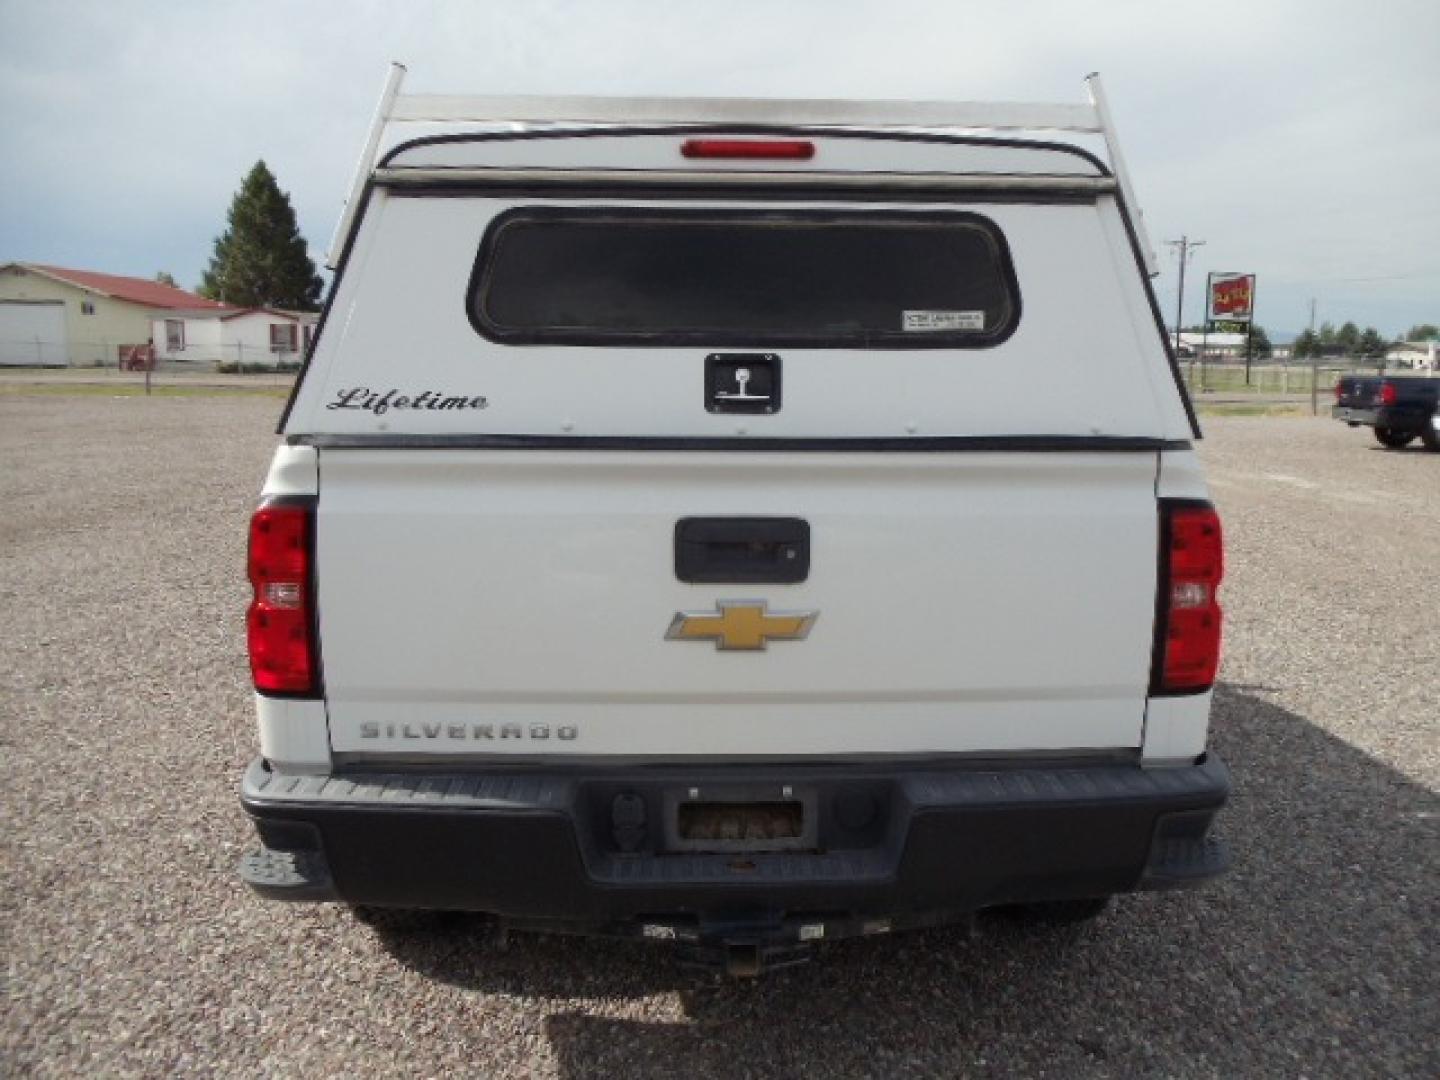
1315	954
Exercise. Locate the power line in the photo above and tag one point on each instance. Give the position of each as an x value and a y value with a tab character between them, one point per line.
1384	277
1185	249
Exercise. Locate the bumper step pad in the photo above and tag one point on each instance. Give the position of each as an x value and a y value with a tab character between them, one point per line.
1179	862
288	875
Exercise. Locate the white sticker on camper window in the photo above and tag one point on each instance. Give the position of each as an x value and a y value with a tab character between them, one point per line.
943	320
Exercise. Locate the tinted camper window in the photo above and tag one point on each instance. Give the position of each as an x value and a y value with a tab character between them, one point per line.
744	277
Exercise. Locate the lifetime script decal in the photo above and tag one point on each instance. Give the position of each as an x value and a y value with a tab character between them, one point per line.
380	402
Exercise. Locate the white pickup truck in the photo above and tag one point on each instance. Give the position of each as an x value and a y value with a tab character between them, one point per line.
737	523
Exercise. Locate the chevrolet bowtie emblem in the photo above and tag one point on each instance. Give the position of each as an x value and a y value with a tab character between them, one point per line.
741	624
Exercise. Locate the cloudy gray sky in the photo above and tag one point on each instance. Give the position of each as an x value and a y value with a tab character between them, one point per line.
1299	138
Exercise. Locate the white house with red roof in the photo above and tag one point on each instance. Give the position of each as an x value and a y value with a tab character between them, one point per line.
266	336
55	316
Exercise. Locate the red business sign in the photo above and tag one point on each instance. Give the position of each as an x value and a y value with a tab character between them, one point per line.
1232	297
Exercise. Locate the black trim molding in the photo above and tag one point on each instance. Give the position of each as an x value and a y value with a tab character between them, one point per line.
932	444
581	187
742	129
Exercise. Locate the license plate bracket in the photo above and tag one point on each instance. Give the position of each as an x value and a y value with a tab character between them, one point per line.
736	819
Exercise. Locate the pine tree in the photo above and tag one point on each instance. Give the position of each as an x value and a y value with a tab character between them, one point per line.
1371	343
262	260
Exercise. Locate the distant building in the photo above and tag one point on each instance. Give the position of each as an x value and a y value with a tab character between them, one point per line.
233	335
1416	355
1217	345
53	316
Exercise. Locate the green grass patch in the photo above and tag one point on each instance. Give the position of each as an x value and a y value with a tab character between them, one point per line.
17	389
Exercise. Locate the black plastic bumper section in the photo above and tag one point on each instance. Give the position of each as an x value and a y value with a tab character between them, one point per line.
890	846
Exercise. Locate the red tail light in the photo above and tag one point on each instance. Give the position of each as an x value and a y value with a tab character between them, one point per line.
1338	392
1187	647
793	149
1388	394
280	622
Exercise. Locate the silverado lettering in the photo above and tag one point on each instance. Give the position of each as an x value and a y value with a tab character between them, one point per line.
370	729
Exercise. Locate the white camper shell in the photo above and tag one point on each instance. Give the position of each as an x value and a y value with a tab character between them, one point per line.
715	519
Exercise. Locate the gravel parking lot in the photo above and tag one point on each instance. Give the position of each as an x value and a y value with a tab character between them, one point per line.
131	948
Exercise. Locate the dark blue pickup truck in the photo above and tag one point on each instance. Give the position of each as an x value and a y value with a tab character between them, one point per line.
1401	408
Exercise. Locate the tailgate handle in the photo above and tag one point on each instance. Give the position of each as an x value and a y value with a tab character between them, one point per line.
742	549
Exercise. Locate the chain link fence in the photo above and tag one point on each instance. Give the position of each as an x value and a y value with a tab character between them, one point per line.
1296	377
39	353
1232	378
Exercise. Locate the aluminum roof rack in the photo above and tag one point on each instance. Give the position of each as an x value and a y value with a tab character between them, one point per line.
1077	118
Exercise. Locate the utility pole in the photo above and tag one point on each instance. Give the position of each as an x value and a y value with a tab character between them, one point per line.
1249	331
1314	365
1185	250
